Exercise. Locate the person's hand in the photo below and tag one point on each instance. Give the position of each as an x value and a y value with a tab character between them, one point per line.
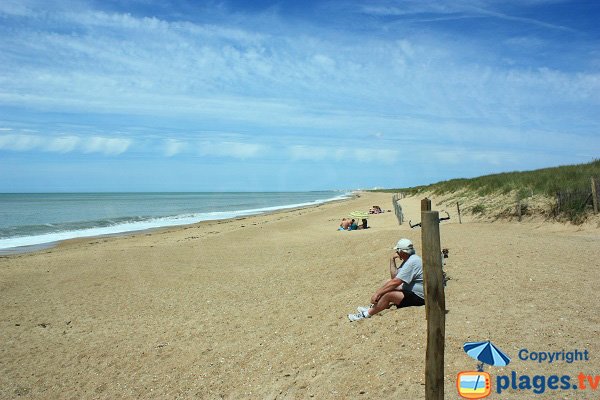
375	298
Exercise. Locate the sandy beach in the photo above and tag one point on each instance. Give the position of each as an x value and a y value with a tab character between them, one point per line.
256	308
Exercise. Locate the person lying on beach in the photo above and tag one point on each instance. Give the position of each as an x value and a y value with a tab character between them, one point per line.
404	289
375	210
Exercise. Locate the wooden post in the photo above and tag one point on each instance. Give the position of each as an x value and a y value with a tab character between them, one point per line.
458	209
435	302
397	209
519	209
425	204
595	195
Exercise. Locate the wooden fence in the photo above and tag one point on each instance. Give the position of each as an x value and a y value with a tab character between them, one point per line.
578	200
397	207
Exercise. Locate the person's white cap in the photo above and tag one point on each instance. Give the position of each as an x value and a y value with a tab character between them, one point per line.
404	245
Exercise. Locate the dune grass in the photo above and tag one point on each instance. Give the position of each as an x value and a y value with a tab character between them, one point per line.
547	182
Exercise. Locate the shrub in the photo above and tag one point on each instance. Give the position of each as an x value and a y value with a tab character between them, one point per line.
478	209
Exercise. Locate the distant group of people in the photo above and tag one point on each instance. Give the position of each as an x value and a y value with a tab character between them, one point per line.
348	224
405	286
375	210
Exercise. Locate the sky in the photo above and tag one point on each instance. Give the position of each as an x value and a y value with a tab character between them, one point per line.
289	95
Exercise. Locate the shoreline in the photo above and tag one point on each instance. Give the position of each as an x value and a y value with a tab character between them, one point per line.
29	248
257	307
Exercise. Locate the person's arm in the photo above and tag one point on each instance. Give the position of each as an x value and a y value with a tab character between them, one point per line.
387	287
393	266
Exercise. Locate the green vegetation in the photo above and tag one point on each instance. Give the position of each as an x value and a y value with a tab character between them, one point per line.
572	180
545	181
478	209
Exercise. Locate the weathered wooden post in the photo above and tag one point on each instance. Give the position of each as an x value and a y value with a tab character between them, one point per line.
458	209
397	209
435	302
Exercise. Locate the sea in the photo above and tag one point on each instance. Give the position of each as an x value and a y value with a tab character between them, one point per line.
29	221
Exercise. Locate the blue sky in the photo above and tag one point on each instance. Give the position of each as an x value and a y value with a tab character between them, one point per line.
292	95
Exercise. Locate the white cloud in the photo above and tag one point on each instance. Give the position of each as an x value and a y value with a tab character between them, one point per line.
107	146
343	154
452	10
149	67
314	153
324	61
20	142
232	149
63	144
173	147
458	156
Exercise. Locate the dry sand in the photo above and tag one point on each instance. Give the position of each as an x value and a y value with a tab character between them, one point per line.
256	308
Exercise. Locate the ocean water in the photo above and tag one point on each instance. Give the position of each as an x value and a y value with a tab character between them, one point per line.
34	219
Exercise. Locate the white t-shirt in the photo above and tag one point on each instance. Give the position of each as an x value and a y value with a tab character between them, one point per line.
411	274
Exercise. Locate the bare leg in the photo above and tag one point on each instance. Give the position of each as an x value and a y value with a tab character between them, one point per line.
386	301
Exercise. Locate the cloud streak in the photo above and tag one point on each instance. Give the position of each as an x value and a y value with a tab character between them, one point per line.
343	154
64	144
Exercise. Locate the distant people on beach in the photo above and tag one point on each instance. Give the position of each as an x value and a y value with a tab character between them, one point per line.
345	224
375	210
348	224
405	286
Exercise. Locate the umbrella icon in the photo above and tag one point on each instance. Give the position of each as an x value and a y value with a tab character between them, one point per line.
486	353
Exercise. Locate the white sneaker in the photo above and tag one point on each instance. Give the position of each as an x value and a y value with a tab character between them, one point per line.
362	309
358	316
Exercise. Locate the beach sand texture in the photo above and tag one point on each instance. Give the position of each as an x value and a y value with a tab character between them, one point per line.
257	308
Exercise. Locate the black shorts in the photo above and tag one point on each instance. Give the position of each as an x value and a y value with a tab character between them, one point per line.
410	300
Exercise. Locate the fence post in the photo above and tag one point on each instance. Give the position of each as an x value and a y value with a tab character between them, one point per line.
458	209
435	303
397	209
595	195
519	209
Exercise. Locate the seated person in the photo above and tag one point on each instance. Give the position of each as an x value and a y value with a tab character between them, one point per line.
353	225
345	224
405	289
